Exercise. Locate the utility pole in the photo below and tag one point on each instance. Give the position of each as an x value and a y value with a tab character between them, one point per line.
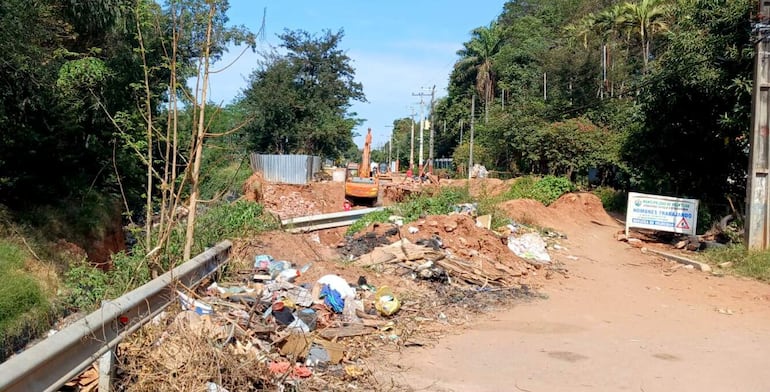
411	143
473	114
757	195
422	126
390	148
545	86
432	130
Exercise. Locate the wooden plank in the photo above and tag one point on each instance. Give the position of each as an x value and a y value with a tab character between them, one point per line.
344	332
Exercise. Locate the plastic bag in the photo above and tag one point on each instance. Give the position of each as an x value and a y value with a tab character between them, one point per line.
387	303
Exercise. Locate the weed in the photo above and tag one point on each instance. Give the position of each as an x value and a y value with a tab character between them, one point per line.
24	308
368	219
439	202
755	264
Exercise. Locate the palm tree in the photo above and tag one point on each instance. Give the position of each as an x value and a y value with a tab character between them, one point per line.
477	57
647	18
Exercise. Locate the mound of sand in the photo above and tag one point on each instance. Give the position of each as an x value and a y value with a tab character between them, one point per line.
570	212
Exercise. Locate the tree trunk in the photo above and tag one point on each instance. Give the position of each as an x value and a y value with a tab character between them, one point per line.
148	108
199	136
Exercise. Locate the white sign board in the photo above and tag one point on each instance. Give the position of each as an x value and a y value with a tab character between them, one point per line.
661	213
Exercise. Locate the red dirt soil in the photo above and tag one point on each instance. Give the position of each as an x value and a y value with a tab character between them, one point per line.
569	213
289	201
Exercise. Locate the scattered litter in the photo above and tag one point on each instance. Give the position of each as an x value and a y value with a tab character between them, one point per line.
413	230
193	304
387	304
529	246
726	311
466	209
297	371
213	387
484	221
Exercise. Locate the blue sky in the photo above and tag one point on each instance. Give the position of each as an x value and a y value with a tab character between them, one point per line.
397	47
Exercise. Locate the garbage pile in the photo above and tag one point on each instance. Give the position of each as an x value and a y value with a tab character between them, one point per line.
455	249
267	330
277	325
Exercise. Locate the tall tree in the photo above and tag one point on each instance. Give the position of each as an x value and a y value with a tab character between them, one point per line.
300	100
647	18
477	58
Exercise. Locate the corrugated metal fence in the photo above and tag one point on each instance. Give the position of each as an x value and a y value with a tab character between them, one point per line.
288	169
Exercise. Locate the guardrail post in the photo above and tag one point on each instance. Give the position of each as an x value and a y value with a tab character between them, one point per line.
106	370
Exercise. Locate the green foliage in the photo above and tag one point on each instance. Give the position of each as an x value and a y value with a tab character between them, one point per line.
755	264
224	176
439	203
300	100
229	220
697	105
545	190
368	219
24	308
481	155
88	285
612	200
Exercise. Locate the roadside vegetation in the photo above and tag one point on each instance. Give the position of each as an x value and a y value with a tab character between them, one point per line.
736	258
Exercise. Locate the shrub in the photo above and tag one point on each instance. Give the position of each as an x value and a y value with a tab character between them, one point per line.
24	308
612	200
545	190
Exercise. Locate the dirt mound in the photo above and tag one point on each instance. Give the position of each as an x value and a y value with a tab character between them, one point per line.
481	186
289	201
583	206
477	250
568	213
252	188
529	212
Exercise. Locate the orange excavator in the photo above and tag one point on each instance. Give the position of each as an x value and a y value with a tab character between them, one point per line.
361	187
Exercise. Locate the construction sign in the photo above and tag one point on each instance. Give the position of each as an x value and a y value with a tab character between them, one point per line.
662	213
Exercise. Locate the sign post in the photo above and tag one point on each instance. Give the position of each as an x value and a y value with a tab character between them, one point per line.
661	213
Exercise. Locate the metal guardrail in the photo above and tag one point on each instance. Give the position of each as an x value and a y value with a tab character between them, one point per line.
325	221
49	364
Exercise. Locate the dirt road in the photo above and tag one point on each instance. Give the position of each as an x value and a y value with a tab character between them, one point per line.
623	321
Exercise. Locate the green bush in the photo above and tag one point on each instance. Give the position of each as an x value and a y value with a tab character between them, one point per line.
612	200
545	190
24	308
86	285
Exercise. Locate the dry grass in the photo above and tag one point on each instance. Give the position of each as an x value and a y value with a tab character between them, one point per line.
188	354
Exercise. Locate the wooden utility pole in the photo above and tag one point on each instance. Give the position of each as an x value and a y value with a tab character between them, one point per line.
470	154
757	195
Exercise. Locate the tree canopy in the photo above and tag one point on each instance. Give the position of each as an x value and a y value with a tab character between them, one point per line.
299	101
654	94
